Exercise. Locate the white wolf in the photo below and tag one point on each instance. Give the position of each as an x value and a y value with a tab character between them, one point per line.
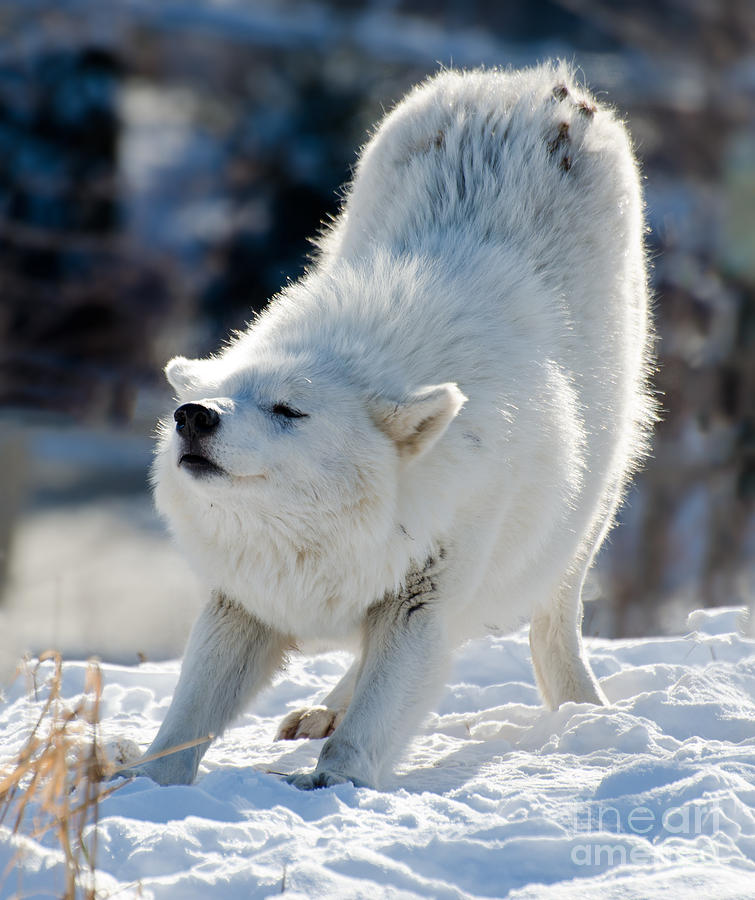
428	434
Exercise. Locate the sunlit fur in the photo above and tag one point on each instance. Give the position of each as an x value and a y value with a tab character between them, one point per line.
490	247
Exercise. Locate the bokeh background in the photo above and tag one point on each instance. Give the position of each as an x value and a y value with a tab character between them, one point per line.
162	164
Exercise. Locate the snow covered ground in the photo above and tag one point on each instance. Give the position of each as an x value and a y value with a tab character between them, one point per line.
652	797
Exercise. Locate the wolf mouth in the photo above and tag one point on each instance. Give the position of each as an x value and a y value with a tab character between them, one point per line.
198	465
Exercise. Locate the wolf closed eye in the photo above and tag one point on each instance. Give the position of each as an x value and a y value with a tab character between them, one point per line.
288	412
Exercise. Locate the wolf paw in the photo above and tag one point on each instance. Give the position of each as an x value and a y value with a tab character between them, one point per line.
312	722
121	752
160	771
172	768
310	781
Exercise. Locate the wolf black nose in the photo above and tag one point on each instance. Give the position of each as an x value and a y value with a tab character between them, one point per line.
195	419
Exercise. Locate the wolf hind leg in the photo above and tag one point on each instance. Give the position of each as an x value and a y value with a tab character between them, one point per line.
562	671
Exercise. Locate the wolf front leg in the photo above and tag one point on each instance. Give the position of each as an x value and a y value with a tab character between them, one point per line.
230	656
405	656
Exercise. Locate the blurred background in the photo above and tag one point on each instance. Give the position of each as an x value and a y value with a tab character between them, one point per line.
162	165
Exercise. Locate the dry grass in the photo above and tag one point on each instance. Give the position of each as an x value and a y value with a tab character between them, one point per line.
54	786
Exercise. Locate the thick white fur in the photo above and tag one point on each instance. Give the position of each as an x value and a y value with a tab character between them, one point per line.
471	352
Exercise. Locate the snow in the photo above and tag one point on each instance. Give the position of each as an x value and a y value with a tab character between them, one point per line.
651	797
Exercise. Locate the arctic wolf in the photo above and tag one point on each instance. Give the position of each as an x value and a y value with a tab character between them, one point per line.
428	434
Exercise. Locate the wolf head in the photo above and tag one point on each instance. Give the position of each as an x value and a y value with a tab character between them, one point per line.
277	463
285	424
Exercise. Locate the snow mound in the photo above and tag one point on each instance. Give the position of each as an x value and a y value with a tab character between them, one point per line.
652	797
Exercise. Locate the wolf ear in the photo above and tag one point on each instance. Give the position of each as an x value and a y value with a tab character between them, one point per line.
417	422
181	372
